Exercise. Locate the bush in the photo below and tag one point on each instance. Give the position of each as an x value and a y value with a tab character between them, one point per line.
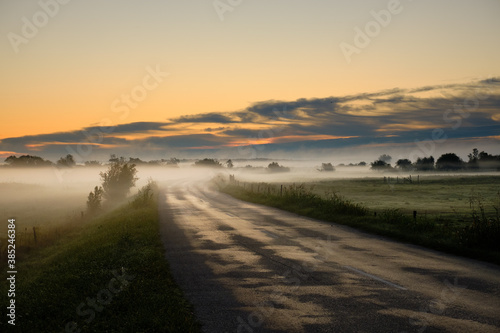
118	179
484	231
145	195
94	200
208	162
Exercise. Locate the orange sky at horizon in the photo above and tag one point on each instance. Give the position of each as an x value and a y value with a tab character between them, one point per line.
90	54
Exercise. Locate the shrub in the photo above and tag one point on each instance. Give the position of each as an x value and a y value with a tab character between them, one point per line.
118	179
145	194
94	200
208	162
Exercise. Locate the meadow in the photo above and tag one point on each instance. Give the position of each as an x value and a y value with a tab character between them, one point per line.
455	213
435	195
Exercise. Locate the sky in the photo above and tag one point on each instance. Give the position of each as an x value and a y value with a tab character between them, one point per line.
338	80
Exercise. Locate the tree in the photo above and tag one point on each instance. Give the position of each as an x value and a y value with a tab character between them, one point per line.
425	164
327	167
208	162
473	159
449	161
27	161
385	158
474	156
362	163
229	164
275	167
136	161
488	161
117	180
67	161
92	163
404	164
380	165
94	200
173	161
113	159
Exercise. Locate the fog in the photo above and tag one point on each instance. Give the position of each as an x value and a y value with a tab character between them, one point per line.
51	196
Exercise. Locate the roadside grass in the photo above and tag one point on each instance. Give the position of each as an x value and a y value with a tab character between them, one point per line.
110	276
476	235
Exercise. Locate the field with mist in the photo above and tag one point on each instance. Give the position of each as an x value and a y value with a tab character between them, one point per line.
53	200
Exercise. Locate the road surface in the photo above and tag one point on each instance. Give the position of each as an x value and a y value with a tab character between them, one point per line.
249	268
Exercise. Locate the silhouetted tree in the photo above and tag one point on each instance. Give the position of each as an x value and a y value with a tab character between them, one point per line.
27	161
208	162
386	158
94	200
275	167
449	161
488	161
136	161
67	161
117	180
425	164
473	159
362	163
173	161
229	164
114	159
404	164
92	163
327	167
380	165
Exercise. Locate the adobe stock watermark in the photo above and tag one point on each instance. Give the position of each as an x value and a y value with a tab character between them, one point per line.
293	278
223	6
249	150
363	37
87	310
121	106
30	27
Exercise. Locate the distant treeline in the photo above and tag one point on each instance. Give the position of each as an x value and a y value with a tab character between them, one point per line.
446	162
68	161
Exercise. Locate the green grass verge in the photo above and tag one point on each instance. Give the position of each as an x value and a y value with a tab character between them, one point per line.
433	232
110	277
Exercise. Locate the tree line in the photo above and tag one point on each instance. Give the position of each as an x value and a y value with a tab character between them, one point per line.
446	162
68	161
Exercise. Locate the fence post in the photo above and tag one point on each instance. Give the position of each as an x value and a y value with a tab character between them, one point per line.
34	234
281	193
415	215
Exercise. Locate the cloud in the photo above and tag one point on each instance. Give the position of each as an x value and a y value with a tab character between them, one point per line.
389	117
205	118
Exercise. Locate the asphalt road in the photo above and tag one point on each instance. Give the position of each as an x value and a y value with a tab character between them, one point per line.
249	268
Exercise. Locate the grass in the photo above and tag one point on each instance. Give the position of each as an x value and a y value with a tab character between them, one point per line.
445	196
117	259
54	212
475	232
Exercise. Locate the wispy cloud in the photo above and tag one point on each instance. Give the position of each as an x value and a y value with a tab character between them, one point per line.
390	117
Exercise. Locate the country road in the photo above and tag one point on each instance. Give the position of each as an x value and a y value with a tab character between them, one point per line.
249	268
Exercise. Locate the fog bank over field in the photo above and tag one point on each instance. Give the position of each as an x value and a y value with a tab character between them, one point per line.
84	179
53	196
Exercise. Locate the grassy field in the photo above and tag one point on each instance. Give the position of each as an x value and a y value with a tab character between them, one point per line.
110	276
446	196
458	215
